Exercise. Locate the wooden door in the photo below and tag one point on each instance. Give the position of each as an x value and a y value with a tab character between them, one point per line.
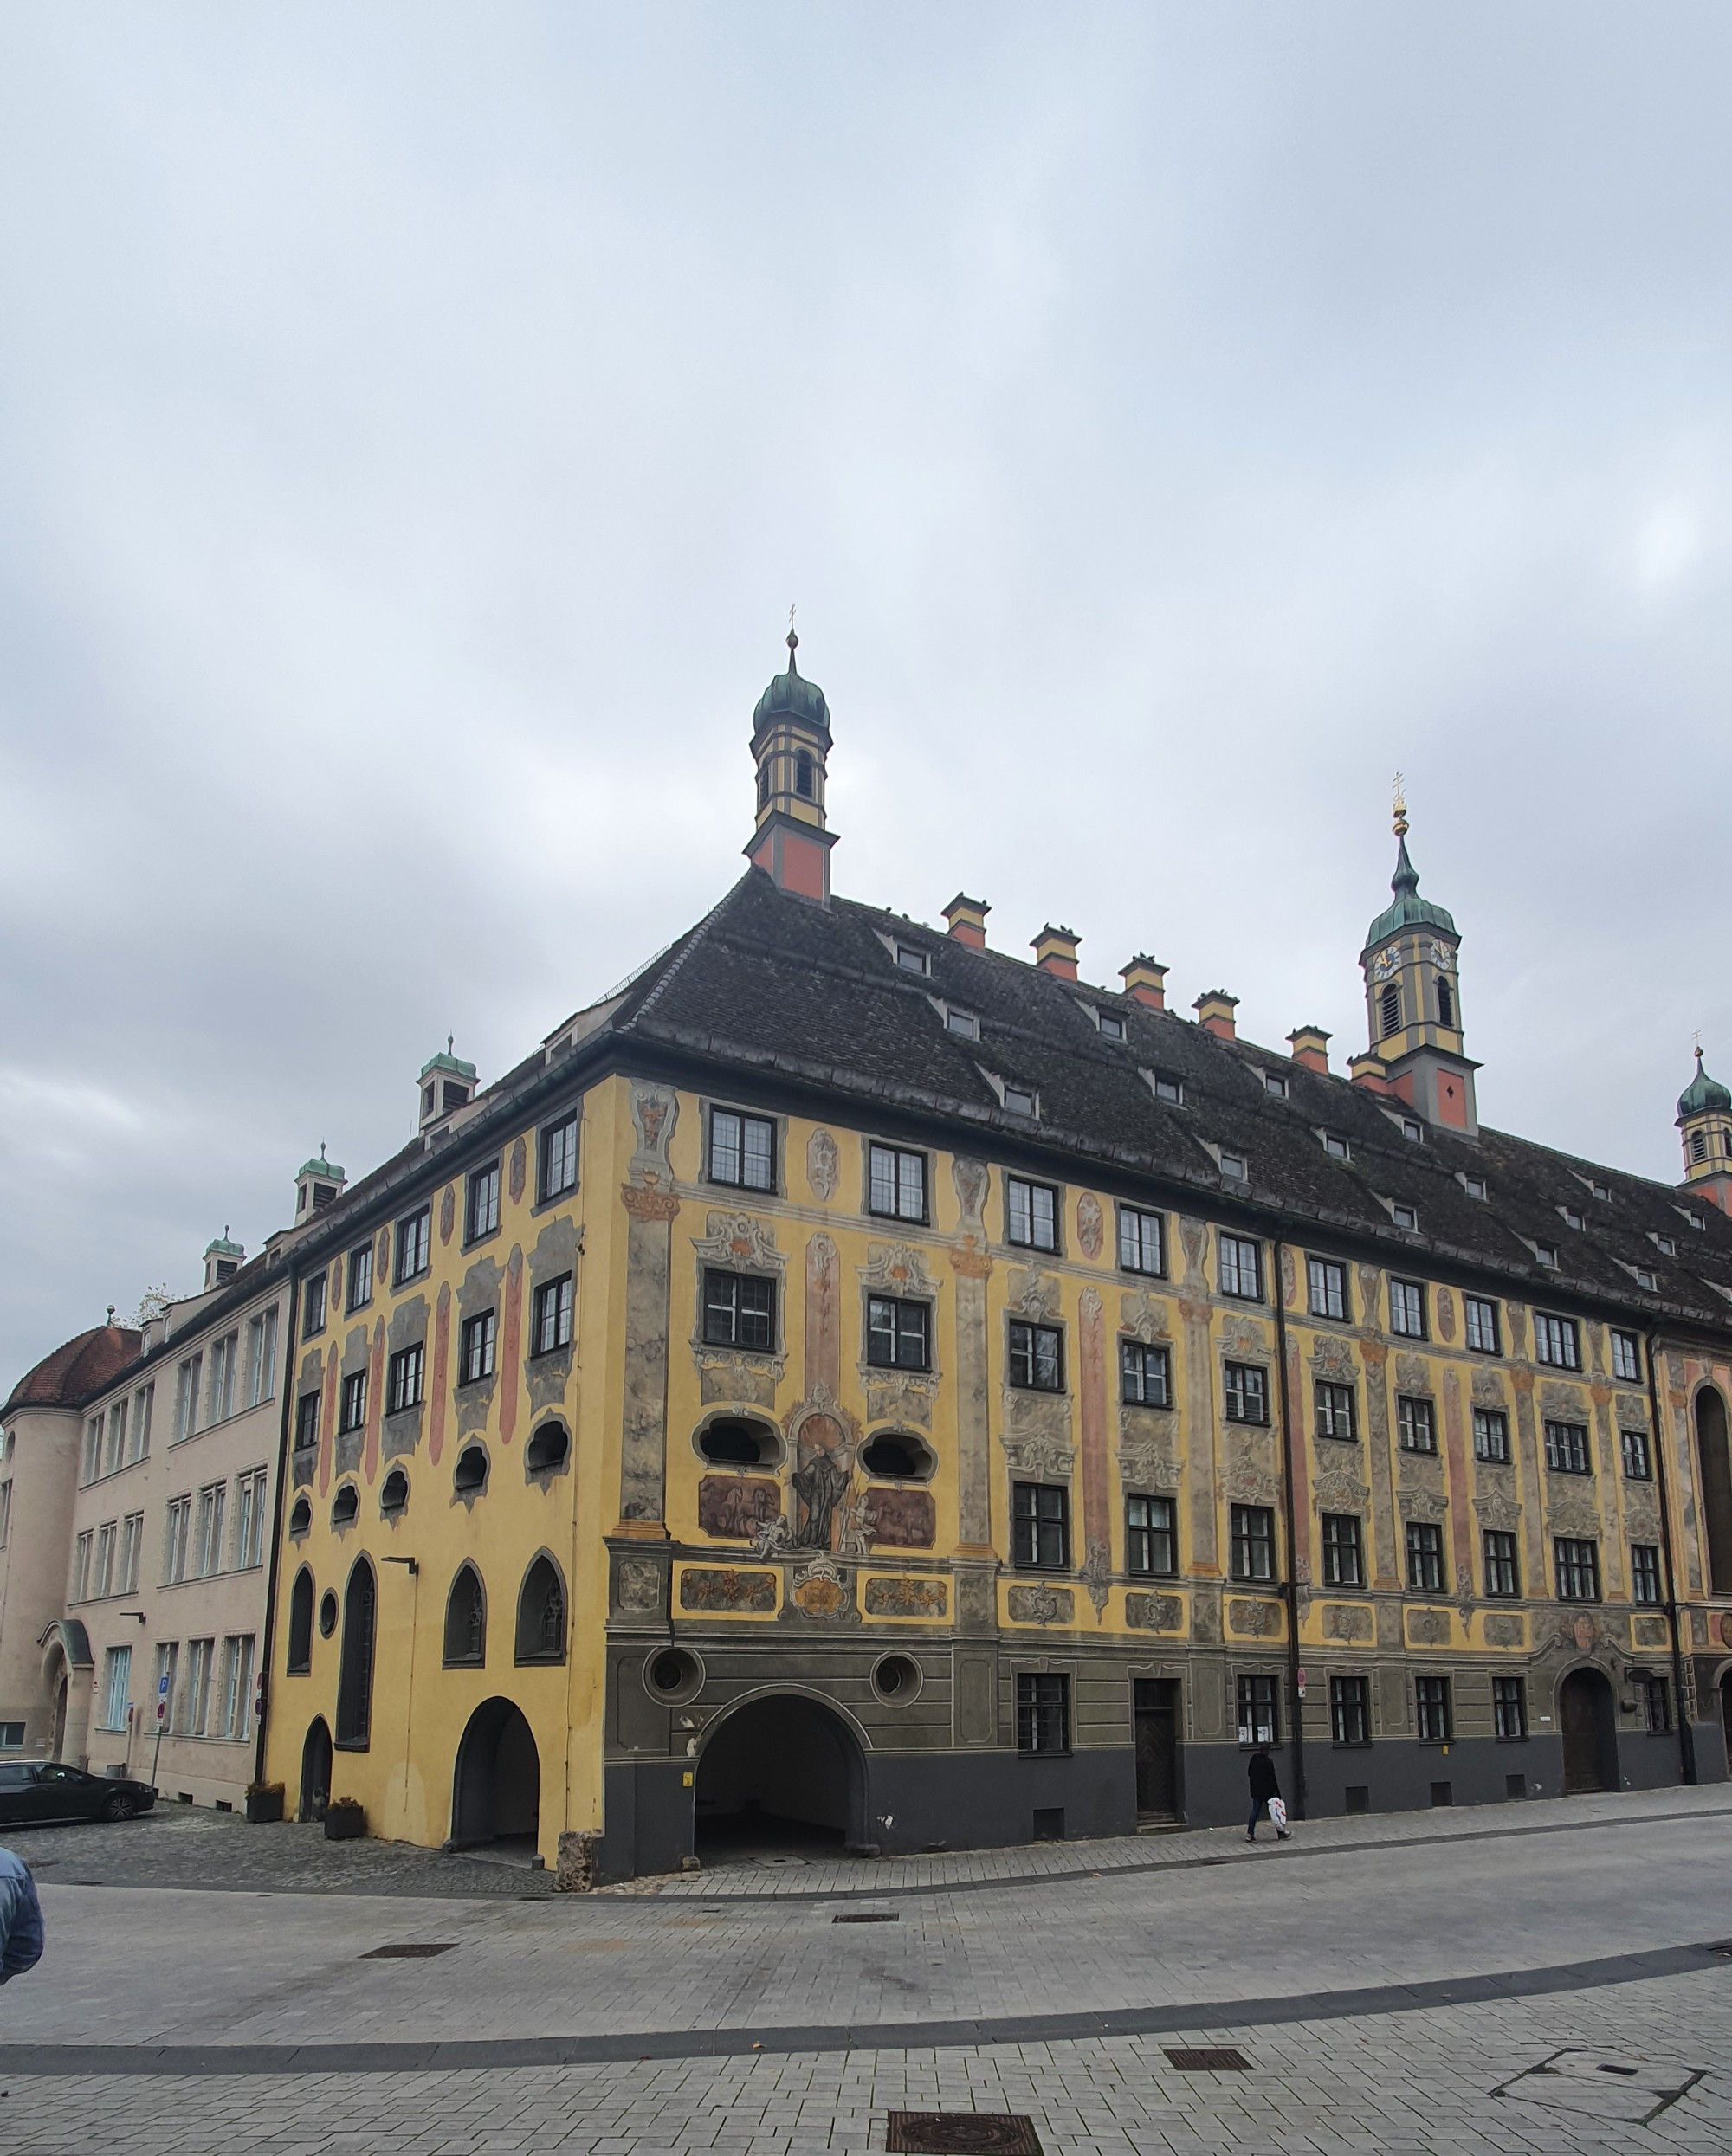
1579	1712
1157	1749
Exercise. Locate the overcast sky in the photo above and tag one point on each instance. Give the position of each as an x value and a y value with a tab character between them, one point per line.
416	421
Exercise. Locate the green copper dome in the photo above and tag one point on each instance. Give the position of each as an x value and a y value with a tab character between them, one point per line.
1410	910
791	695
1702	1093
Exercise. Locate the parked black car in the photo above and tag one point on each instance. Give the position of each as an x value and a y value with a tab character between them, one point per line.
29	1794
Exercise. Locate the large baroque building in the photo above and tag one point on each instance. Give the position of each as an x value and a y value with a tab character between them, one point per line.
853	1380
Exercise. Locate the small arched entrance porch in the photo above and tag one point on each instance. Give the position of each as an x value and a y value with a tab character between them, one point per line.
496	1787
781	1774
1587	1721
315	1770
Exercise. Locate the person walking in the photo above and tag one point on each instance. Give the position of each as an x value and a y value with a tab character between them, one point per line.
1264	1784
21	1918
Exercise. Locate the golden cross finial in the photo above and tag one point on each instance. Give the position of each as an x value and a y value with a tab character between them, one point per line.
1400	809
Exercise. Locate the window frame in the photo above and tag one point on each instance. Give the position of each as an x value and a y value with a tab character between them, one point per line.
1332	1401
898	1306
1241	1383
1576	1565
1434	1718
1491	1436
1507	1692
1626	1355
352	1391
1501	1566
1238	1245
1475	1310
1257	1708
481	1196
1569	1447
733	1301
746	1119
1644	1571
418	1227
1033	1521
1634	1446
558	1295
315	1312
1422	1542
358	1278
1337	1547
1408	1300
1145	1537
1349	1710
1414	1412
1567	1337
563	1132
1029	1189
406	1379
1250	1529
1138	1360
307	1422
1139	1222
1331	1276
1023	1341
1042	1708
482	1327
899	1157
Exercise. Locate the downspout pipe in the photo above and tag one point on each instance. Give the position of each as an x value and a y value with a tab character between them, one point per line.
1291	1588
1686	1735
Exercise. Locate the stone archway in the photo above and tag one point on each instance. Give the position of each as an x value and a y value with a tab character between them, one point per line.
496	1788
781	1770
1587	1721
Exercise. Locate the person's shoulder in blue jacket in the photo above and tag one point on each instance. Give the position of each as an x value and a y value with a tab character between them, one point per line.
21	1918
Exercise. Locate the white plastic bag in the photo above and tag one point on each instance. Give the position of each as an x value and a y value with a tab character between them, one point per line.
1278	1812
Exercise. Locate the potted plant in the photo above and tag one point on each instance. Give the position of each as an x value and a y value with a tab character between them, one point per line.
345	1821
264	1802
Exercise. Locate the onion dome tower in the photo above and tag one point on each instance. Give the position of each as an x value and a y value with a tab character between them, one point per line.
790	745
1704	1122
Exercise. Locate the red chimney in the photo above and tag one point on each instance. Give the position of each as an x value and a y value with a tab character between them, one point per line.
967	920
1055	952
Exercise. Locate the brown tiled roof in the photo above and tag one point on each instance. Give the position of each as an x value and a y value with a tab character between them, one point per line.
81	1366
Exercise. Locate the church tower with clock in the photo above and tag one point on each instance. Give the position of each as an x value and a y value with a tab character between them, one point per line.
1412	996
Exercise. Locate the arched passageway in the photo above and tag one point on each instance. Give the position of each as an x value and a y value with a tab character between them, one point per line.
781	1772
315	1771
496	1791
1587	1717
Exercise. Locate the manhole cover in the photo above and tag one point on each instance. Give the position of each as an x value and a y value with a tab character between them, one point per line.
873	1916
965	2133
1624	2089
410	1950
1216	2061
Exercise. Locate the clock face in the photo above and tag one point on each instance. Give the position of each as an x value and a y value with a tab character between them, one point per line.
1442	957
1385	963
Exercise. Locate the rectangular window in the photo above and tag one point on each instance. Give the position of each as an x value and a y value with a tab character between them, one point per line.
1626	1357
131	1549
1502	1579
1169	1089
1408	1308
177	1533
1482	1325
1145	1375
117	1683
249	1519
1555	1341
740	1310
1431	1706
354	1411
1022	1100
307	1422
313	1306
474	1351
1240	1268
200	1653
90	1459
559	1168
550	1316
1343	1550
1036	1357
213	1501
1639	1463
742	1150
1253	1541
224	1353
1151	1537
5	1511
481	1214
1233	1166
1112	1026
81	1566
1577	1564
1030	1214
1424	1557
414	1245
188	1378
1405	1217
11	1736
1644	1573
1416	1424
1350	1710
237	1685
1256	1710
1656	1706
262	1357
1040	1526
1246	1392
114	1448
1335	1413
403	1375
962	1021
1328	1285
1336	1146
106	1536
360	1276
1042	1711
898	1333
1491	1435
1566	1451
895	1183
1141	1242
1509	1708
138	1434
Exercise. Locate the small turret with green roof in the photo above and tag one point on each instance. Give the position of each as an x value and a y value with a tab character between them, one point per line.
1704	1122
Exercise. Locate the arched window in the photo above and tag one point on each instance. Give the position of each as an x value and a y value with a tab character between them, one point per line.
541	1613
547	1449
300	1625
355	1677
804	776
394	1493
735	1441
1446	1002
300	1516
1716	1488
466	1619
1391	1008
898	1458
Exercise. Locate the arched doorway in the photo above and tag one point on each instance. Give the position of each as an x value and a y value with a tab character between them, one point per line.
1587	1718
496	1791
1715	1458
315	1771
783	1772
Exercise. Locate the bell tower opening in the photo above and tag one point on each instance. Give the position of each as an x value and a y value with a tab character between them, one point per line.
790	746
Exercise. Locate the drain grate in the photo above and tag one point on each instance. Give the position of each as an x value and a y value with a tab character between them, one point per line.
1207	2061
962	2133
409	1950
870	1916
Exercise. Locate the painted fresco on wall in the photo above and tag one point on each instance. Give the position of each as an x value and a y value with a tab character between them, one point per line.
734	1507
905	1519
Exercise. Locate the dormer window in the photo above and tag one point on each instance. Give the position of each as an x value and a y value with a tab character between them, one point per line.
1406	1216
1664	1244
1645	1278
961	1022
1336	1146
1171	1090
1274	1082
1232	1166
1694	1219
912	959
1571	1217
1111	1024
1602	1191
1474	1185
1022	1100
1412	1130
1546	1253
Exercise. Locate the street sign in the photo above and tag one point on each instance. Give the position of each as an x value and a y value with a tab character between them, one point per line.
1299	1679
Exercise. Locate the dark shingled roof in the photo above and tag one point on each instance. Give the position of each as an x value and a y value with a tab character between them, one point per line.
83	1365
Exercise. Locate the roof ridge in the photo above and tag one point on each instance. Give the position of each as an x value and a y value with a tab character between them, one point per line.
682	950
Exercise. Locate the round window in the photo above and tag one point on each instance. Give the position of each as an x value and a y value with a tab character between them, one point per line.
672	1674
328	1614
896	1679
